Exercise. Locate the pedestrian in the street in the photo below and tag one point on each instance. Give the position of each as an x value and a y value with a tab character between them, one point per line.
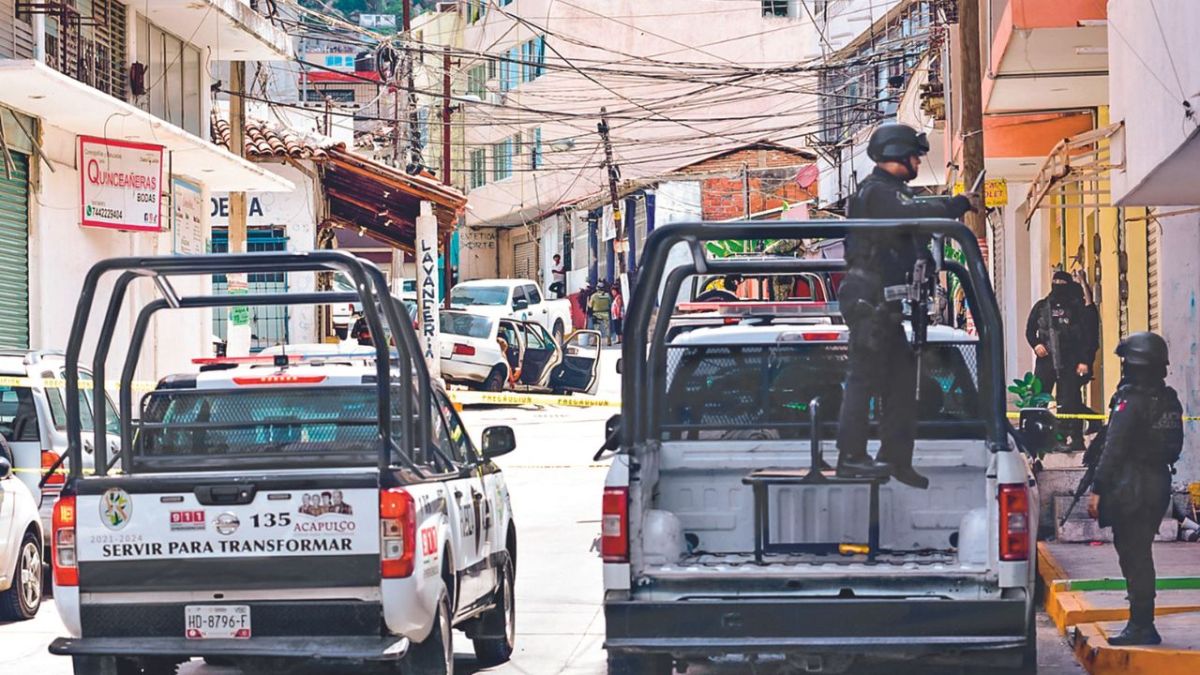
585	298
558	274
1064	335
618	313
600	305
1132	487
881	361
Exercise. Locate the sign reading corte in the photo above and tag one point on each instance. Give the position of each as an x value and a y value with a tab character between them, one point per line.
120	184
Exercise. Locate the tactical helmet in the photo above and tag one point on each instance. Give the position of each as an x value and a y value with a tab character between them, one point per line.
896	143
1144	349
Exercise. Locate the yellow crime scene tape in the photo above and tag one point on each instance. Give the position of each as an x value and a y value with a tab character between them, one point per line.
53	383
1090	416
510	398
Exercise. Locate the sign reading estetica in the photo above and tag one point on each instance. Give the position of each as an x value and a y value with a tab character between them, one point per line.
120	184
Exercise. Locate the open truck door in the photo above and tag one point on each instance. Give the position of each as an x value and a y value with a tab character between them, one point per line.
580	367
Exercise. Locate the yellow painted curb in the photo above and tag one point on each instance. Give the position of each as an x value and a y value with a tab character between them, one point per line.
1100	658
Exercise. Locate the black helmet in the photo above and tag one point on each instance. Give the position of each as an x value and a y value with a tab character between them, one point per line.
896	143
1144	349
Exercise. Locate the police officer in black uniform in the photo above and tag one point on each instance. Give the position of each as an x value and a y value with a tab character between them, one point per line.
1133	479
881	360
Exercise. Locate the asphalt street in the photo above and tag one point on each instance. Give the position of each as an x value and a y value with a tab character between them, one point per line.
556	490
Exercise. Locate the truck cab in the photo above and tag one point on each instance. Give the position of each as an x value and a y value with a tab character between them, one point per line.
727	537
518	299
276	509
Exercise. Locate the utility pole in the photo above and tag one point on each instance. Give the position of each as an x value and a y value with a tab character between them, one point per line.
746	189
446	167
972	104
413	155
614	174
237	335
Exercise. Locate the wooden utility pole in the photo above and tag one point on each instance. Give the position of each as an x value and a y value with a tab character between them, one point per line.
971	72
237	326
614	174
446	167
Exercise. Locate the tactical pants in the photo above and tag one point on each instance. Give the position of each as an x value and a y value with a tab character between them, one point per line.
1133	537
1066	385
881	364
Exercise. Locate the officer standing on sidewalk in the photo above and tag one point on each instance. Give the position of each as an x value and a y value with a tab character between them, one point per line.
1132	487
881	362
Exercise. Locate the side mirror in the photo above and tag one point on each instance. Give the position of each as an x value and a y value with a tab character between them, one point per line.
5	467
520	303
612	426
1038	428
498	441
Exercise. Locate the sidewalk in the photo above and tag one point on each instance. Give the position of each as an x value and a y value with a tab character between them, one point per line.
1085	595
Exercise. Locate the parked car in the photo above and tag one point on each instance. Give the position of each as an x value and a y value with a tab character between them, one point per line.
517	299
33	420
725	533
494	354
21	548
273	511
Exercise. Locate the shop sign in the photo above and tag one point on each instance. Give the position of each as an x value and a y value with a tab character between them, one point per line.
120	184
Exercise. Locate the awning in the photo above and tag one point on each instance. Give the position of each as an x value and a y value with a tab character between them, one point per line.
38	90
231	29
382	201
1074	168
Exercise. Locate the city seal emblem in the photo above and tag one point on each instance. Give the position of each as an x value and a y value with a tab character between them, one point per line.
115	508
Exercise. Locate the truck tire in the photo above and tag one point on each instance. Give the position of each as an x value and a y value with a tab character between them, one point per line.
638	664
22	600
435	656
499	621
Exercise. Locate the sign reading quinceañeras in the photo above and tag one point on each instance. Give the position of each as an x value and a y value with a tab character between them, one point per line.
121	184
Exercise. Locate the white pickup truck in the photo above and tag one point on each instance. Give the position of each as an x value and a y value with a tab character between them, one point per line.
267	513
518	299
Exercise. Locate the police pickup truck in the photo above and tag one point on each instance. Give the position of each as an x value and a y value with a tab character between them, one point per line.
726	536
275	510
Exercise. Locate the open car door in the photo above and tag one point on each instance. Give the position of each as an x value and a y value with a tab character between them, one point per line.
541	355
580	366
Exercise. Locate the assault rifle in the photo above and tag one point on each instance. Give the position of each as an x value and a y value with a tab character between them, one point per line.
1052	338
920	293
1091	459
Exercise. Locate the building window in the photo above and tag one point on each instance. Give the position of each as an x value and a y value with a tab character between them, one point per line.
533	57
775	7
535	150
476	10
173	76
423	126
477	78
93	53
502	159
335	95
478	168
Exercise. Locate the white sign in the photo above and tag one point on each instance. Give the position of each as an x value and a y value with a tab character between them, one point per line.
187	217
377	20
120	184
263	208
318	522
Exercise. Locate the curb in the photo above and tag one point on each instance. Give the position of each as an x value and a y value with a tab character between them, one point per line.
1090	643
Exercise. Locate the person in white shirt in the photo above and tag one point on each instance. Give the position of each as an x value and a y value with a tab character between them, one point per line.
559	274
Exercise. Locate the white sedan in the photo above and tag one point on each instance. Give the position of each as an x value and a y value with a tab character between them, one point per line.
494	354
20	545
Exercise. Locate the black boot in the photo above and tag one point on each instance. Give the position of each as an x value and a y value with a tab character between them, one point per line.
909	476
1136	634
861	466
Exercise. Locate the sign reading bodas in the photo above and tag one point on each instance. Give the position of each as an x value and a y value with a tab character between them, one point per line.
120	184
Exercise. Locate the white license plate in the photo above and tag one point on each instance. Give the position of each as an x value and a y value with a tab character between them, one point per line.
209	622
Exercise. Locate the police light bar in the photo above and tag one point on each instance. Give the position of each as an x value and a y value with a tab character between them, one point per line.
789	308
279	378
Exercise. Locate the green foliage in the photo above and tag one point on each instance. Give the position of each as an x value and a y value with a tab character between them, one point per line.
1027	392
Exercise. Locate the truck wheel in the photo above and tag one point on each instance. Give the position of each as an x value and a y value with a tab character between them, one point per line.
22	600
435	656
638	664
558	332
499	621
495	380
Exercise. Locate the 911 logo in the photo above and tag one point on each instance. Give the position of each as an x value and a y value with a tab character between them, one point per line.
187	520
429	542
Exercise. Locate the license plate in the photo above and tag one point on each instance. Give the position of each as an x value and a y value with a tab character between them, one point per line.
209	622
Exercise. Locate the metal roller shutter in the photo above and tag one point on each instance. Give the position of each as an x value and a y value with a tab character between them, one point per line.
525	260
14	254
1152	243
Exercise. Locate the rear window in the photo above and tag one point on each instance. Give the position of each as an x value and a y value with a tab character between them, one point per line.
716	391
326	425
18	415
467	325
479	295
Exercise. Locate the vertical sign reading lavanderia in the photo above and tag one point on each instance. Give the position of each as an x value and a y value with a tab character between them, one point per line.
120	184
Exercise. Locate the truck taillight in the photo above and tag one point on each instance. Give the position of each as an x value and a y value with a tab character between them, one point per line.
62	531
614	525
397	533
1014	522
49	459
463	350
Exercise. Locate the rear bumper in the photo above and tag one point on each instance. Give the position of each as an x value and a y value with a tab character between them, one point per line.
319	647
884	628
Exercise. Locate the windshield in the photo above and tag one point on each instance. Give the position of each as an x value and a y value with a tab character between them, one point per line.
715	390
467	325
479	295
326	425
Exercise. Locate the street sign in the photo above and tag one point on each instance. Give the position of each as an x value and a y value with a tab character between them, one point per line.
120	184
995	192
187	217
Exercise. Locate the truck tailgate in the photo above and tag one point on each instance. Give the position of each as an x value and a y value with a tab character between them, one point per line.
206	532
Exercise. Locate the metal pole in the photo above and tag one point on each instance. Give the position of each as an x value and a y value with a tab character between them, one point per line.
446	168
237	334
613	174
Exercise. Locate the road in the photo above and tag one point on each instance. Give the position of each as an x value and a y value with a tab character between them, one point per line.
556	489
